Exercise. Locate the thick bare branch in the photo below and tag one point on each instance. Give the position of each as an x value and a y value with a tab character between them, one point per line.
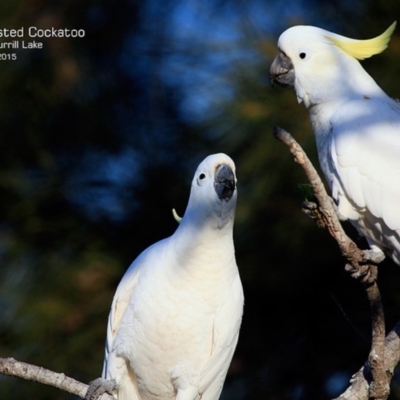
11	367
359	388
364	387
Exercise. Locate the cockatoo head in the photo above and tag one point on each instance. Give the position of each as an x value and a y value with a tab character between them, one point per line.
322	65
213	193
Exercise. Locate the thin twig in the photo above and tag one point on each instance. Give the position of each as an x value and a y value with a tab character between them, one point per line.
378	386
11	367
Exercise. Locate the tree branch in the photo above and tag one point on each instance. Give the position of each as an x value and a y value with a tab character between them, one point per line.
379	364
11	367
360	382
347	247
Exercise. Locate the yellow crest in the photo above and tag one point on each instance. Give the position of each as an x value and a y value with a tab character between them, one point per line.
361	49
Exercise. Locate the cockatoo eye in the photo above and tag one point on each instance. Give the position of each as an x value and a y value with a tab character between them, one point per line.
302	55
201	178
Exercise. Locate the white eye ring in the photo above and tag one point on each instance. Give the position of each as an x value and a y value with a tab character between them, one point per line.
201	178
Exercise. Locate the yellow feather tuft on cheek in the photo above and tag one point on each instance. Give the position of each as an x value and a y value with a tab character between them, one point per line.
362	49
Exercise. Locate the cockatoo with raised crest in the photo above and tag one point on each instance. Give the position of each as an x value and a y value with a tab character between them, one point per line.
175	318
356	126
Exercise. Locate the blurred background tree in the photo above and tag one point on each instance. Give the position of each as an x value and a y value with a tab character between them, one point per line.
99	139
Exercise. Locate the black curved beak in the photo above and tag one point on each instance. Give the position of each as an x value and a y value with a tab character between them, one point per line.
224	182
282	71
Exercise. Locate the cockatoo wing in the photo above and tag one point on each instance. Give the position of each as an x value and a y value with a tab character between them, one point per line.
119	305
115	367
225	339
365	150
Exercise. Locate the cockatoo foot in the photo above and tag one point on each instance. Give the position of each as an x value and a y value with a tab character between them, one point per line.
100	386
312	210
375	256
362	273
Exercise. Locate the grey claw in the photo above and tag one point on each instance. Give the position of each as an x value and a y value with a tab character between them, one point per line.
312	210
373	256
100	386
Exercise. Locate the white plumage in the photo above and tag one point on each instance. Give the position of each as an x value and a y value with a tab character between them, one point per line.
175	317
356	125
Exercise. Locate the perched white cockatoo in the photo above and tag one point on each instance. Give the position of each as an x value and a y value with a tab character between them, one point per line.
175	318
356	125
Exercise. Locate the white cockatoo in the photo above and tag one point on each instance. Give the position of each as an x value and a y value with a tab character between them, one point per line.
175	318
356	125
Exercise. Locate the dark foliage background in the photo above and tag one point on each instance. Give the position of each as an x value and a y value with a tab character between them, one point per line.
99	139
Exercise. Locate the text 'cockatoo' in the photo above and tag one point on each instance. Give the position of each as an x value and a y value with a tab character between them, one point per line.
356	125
175	318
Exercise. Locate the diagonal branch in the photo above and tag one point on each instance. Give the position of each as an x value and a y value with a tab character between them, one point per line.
11	367
363	385
348	248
